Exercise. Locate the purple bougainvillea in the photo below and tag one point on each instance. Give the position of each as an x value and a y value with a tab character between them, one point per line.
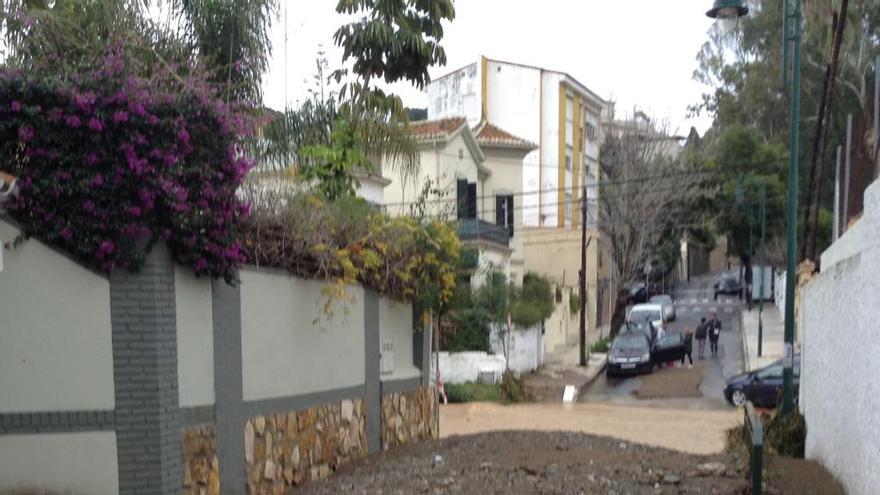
110	162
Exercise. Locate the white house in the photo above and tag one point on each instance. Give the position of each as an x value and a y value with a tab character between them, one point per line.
475	175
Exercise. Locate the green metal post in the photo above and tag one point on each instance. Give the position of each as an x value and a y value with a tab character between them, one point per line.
763	267
791	250
751	229
785	40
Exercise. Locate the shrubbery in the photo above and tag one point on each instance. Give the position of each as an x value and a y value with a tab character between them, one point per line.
346	241
110	162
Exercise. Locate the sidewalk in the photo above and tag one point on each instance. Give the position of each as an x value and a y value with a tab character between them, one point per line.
548	382
774	330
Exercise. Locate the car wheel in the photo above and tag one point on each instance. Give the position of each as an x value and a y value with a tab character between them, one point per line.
738	398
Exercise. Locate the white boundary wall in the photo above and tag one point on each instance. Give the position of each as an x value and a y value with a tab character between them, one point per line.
287	339
195	339
840	377
55	346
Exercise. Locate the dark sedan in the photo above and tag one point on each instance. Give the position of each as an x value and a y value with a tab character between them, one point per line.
762	386
727	284
630	354
668	348
637	294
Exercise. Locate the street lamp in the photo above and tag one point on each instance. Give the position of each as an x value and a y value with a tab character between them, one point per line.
725	10
727	13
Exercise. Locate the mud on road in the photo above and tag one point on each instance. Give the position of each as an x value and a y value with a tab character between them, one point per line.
537	462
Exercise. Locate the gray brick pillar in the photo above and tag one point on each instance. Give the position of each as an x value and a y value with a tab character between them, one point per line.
144	330
372	381
228	386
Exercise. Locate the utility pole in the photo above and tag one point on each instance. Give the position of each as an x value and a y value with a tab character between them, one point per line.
583	277
763	267
791	244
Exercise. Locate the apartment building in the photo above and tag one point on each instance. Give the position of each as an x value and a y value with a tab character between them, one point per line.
564	119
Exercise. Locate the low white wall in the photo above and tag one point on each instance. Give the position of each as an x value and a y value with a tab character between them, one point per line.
55	345
779	294
396	323
289	347
195	339
526	350
840	372
75	463
462	367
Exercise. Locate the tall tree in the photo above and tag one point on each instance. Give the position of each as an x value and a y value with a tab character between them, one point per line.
744	76
65	36
394	39
646	197
232	37
814	181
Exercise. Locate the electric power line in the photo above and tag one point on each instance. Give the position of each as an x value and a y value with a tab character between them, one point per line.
565	188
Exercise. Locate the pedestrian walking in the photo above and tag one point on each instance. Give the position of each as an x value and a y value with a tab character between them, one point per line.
713	326
688	347
701	339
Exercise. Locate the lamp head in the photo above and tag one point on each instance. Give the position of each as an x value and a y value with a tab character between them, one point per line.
727	13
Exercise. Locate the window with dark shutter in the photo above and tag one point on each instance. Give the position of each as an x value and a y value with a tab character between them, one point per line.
461	194
472	200
504	212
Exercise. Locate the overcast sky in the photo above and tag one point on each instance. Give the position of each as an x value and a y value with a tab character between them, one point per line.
638	53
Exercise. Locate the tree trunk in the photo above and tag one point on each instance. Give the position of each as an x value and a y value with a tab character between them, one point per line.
619	313
811	219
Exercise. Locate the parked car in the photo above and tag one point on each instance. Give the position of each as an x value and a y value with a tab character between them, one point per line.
728	284
646	312
762	386
667	303
630	354
643	326
669	348
634	352
638	294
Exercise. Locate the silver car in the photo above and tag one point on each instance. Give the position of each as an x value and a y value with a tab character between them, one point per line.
668	305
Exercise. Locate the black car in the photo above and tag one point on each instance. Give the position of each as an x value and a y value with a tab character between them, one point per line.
643	326
728	284
633	352
762	386
630	354
668	348
637	294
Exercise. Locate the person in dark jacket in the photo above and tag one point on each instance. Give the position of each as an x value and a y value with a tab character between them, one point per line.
688	347
713	326
701	339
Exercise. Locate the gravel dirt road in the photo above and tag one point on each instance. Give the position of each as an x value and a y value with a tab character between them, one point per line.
517	462
687	430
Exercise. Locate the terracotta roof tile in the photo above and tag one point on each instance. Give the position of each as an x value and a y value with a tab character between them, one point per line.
490	134
434	129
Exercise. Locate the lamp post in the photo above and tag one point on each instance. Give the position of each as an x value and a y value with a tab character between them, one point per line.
728	11
763	213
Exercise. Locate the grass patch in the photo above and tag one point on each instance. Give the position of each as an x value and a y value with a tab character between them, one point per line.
510	391
473	392
601	345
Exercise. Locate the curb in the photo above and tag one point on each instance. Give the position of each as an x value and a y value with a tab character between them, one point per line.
593	379
745	342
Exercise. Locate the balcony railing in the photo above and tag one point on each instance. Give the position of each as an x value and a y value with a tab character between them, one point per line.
473	229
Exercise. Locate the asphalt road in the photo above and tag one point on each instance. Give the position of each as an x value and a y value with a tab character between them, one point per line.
693	301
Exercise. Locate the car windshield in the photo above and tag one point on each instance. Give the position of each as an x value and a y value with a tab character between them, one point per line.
629	341
645	315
